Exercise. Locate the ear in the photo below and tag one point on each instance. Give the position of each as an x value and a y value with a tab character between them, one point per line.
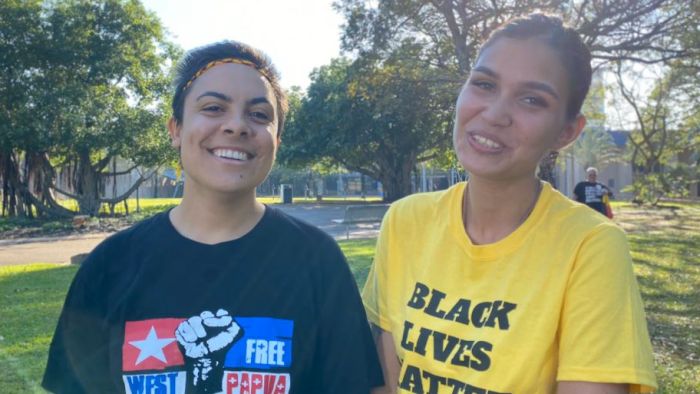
174	131
571	132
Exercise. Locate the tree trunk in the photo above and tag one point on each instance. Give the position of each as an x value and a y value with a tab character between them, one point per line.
11	185
88	186
397	184
8	175
547	166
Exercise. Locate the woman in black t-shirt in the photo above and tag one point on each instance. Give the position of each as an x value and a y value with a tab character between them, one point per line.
222	293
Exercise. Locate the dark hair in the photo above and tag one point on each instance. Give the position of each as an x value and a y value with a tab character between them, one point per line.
195	59
564	40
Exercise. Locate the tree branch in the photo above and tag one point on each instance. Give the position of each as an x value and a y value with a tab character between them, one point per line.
65	193
127	193
119	172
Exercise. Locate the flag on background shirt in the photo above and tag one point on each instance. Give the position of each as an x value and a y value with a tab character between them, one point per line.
151	345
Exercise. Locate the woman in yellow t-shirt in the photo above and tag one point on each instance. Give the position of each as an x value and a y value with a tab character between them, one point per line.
502	284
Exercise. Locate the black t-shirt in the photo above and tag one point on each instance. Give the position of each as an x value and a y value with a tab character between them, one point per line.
275	311
591	194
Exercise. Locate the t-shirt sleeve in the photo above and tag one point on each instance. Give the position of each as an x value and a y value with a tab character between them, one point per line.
372	294
347	361
78	355
603	331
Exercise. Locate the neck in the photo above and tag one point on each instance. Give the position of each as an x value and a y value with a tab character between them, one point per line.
493	210
210	217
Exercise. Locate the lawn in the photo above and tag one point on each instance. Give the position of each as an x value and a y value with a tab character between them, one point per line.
666	251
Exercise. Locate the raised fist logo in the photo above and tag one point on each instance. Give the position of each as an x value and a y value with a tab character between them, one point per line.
205	340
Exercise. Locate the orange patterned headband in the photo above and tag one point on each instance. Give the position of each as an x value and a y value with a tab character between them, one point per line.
224	61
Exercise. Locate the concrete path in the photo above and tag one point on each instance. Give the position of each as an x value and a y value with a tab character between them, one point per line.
61	249
47	249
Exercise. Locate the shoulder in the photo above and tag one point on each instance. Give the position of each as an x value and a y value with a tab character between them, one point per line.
141	232
572	219
135	237
297	233
315	254
420	205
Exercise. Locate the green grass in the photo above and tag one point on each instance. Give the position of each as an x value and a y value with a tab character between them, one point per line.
31	297
665	246
359	254
668	270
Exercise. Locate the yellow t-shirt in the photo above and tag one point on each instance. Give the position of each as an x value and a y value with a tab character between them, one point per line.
555	300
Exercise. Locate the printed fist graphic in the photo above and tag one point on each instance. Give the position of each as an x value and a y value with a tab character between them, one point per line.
205	340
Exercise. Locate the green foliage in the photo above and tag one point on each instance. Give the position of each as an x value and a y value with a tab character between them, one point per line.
674	182
55	225
377	118
449	33
666	135
19	38
595	147
88	81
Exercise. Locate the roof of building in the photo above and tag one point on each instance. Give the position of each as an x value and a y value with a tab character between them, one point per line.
620	137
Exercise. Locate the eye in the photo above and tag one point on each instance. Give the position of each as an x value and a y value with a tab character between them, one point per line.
260	116
535	101
483	84
212	108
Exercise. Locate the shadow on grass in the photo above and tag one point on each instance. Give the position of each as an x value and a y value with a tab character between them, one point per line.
668	268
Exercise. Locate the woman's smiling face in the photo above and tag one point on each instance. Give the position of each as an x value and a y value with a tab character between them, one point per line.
512	110
228	135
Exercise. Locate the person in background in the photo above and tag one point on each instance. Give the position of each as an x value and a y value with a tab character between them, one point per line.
221	293
591	192
502	284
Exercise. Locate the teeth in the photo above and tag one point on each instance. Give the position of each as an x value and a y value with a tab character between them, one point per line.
231	154
487	142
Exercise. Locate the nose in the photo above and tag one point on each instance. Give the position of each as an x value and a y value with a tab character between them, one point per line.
497	113
236	124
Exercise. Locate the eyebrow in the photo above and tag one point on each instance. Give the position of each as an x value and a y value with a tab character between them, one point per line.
215	94
257	100
541	86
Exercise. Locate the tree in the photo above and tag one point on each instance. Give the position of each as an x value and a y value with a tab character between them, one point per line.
378	118
595	147
95	92
449	32
664	128
20	37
